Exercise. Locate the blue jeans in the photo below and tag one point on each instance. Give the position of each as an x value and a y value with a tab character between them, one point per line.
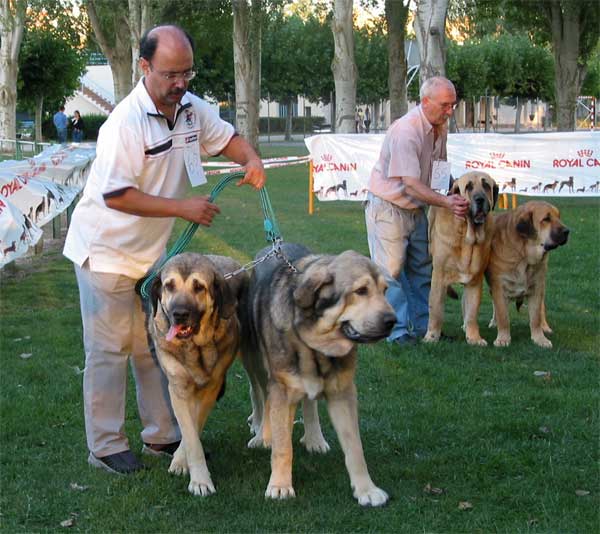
77	136
61	134
398	243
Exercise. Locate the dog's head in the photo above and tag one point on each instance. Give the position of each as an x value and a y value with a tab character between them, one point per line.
190	290
480	189
539	223
341	302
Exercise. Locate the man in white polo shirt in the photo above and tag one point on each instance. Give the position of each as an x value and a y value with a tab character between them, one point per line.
148	152
395	211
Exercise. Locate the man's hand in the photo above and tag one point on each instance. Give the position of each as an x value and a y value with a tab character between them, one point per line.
255	174
198	210
458	205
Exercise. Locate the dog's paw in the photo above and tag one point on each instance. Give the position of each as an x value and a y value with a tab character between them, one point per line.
257	442
279	492
542	341
546	329
502	341
431	337
374	496
478	341
315	443
201	487
178	465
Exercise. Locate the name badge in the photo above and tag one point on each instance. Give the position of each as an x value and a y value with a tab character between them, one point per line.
440	175
191	158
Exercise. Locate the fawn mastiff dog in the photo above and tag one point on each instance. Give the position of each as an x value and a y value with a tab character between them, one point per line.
195	330
460	249
300	331
518	265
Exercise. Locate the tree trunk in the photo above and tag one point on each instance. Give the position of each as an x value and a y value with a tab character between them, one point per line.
247	28
430	27
12	22
518	115
396	14
39	108
119	55
343	66
569	75
141	16
288	119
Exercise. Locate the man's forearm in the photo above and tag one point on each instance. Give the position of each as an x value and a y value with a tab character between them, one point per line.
135	202
419	191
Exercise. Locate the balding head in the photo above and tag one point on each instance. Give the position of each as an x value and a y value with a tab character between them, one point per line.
433	85
169	36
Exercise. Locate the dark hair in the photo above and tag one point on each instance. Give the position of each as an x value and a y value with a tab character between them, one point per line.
148	43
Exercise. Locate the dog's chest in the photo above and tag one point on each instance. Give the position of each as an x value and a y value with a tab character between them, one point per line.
519	282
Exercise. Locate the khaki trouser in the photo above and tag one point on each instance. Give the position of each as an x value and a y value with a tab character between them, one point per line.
398	243
113	331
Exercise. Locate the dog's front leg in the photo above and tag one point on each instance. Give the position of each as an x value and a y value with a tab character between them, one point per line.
187	417
343	412
436	305
500	314
280	408
535	304
313	438
471	303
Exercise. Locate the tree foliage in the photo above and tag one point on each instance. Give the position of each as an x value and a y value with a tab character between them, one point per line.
372	62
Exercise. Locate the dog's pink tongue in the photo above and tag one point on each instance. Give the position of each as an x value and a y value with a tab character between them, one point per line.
172	333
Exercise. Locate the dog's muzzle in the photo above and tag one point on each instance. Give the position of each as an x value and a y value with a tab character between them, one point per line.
557	238
480	207
184	323
385	323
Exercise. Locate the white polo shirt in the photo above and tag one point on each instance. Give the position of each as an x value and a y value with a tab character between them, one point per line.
137	148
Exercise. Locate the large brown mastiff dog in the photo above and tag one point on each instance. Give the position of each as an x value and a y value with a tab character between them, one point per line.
460	250
300	331
195	330
518	265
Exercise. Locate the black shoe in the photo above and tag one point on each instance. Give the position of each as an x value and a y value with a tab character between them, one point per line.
121	463
167	449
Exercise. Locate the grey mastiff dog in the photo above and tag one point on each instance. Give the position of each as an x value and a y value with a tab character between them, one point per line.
301	322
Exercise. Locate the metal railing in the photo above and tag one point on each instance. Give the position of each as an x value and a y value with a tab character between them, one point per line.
21	149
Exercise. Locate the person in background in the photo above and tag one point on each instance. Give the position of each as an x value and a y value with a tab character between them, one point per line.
399	191
60	123
367	119
147	154
78	127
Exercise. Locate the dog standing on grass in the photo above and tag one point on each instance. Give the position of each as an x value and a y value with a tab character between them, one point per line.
518	264
460	249
300	331
195	330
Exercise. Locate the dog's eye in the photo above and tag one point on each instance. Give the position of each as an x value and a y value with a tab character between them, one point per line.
170	285
197	287
546	219
362	291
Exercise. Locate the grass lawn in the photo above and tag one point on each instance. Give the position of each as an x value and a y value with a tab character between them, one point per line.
441	425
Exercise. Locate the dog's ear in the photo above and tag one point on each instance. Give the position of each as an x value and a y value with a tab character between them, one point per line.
155	291
224	298
450	185
525	226
455	189
495	193
306	293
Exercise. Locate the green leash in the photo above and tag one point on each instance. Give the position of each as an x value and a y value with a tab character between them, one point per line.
269	224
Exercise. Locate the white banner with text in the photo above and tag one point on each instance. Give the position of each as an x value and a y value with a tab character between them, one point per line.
552	164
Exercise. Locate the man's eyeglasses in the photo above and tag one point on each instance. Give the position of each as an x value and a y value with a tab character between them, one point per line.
445	107
174	76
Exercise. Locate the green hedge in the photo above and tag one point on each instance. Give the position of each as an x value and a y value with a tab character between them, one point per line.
92	125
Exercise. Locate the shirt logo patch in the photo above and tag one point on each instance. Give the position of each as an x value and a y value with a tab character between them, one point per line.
191	138
190	118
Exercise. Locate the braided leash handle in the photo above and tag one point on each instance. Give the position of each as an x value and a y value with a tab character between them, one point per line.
142	287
